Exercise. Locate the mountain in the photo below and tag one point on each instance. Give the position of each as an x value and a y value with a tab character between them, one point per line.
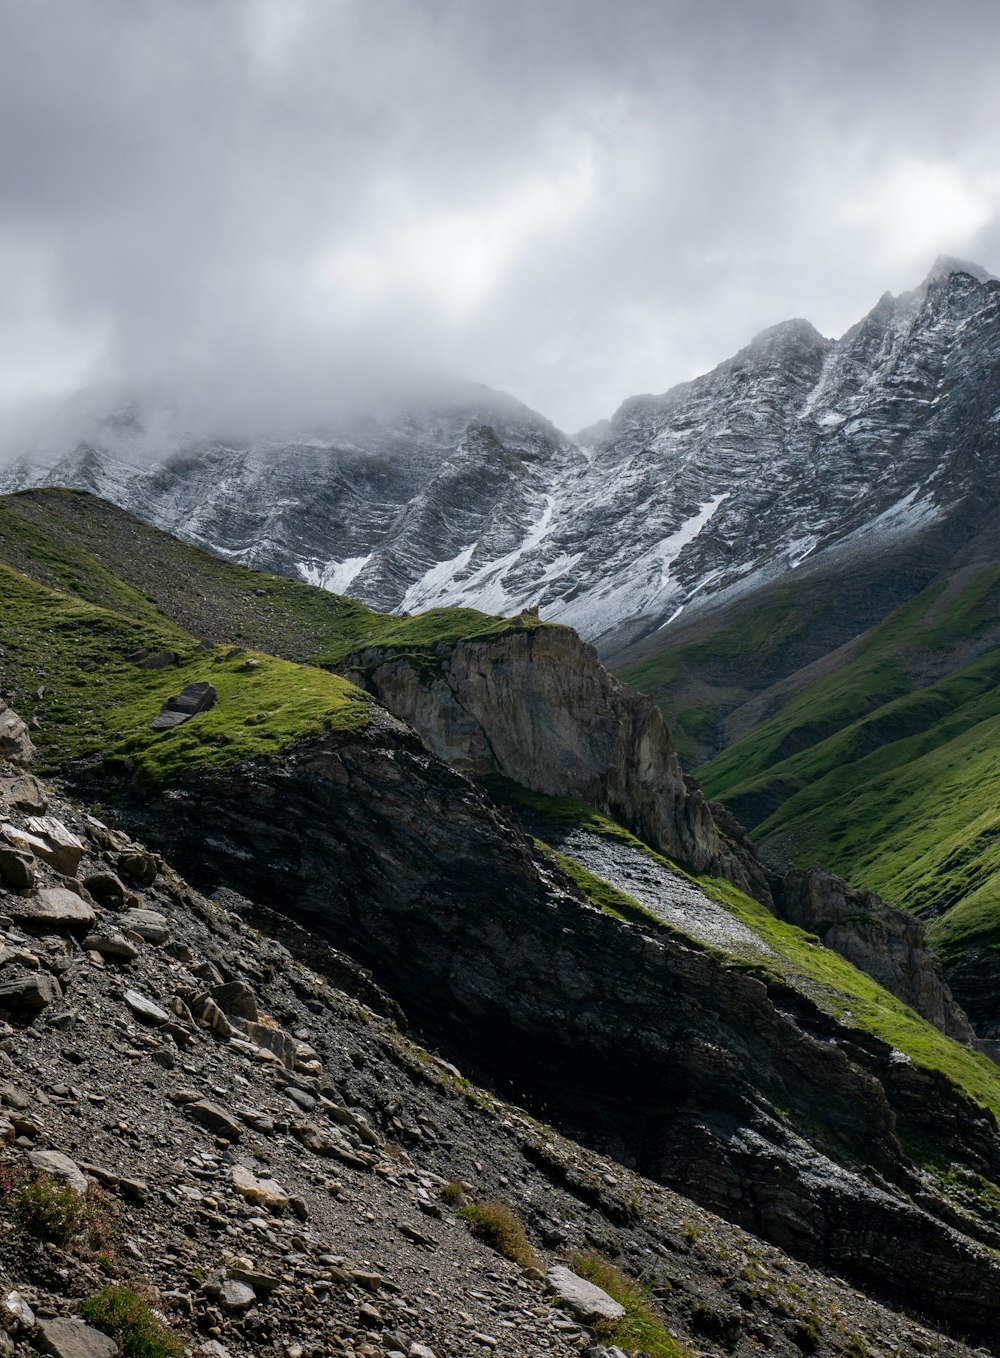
633	996
878	446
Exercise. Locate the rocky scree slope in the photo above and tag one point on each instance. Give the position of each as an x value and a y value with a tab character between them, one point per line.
776	1091
799	448
264	1155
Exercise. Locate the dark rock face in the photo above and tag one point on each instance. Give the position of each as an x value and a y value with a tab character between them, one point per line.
538	706
886	943
646	1046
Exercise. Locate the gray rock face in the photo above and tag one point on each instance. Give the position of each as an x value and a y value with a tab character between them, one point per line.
650	1047
886	943
15	743
537	706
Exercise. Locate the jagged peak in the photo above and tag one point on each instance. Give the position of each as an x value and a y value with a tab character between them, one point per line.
796	332
945	265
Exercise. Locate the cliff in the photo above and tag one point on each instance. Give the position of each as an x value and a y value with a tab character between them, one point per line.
537	706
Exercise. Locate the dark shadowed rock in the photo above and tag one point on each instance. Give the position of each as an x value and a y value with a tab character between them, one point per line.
188	703
886	943
106	889
29	993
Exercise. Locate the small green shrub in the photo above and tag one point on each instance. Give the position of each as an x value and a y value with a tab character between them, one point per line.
453	1192
49	1209
128	1319
499	1225
639	1330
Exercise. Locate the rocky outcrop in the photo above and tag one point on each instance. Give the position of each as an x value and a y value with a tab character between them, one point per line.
536	705
886	943
718	1078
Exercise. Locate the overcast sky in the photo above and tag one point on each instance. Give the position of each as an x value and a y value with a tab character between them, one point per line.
571	200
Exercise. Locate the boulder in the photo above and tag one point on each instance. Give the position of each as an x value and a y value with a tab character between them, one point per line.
138	866
65	1338
28	994
15	743
60	1167
54	907
47	838
24	793
159	661
116	947
145	1010
213	1117
148	924
267	1192
586	1300
106	889
184	705
16	868
236	999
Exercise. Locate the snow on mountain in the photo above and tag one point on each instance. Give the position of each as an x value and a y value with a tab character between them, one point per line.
796	447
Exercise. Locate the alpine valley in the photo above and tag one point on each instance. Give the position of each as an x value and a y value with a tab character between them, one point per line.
374	982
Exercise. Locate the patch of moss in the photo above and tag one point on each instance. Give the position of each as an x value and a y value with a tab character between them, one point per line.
499	1225
127	1317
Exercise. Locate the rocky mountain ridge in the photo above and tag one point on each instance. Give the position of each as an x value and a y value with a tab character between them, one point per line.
799	448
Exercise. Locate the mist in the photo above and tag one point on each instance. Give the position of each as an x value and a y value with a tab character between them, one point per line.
260	216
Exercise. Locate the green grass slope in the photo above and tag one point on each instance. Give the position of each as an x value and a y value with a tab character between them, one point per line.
800	961
71	665
77	543
882	762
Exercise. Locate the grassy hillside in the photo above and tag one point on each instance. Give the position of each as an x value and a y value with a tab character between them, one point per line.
880	760
74	542
73	666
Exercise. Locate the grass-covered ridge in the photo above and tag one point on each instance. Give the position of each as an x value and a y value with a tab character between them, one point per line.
68	662
75	542
831	982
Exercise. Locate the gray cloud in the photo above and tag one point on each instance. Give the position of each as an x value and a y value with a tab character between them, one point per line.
267	208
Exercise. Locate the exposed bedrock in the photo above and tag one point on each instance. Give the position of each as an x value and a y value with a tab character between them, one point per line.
886	943
539	707
740	1092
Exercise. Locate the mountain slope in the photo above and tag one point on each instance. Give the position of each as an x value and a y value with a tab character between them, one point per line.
878	759
343	1220
779	1086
